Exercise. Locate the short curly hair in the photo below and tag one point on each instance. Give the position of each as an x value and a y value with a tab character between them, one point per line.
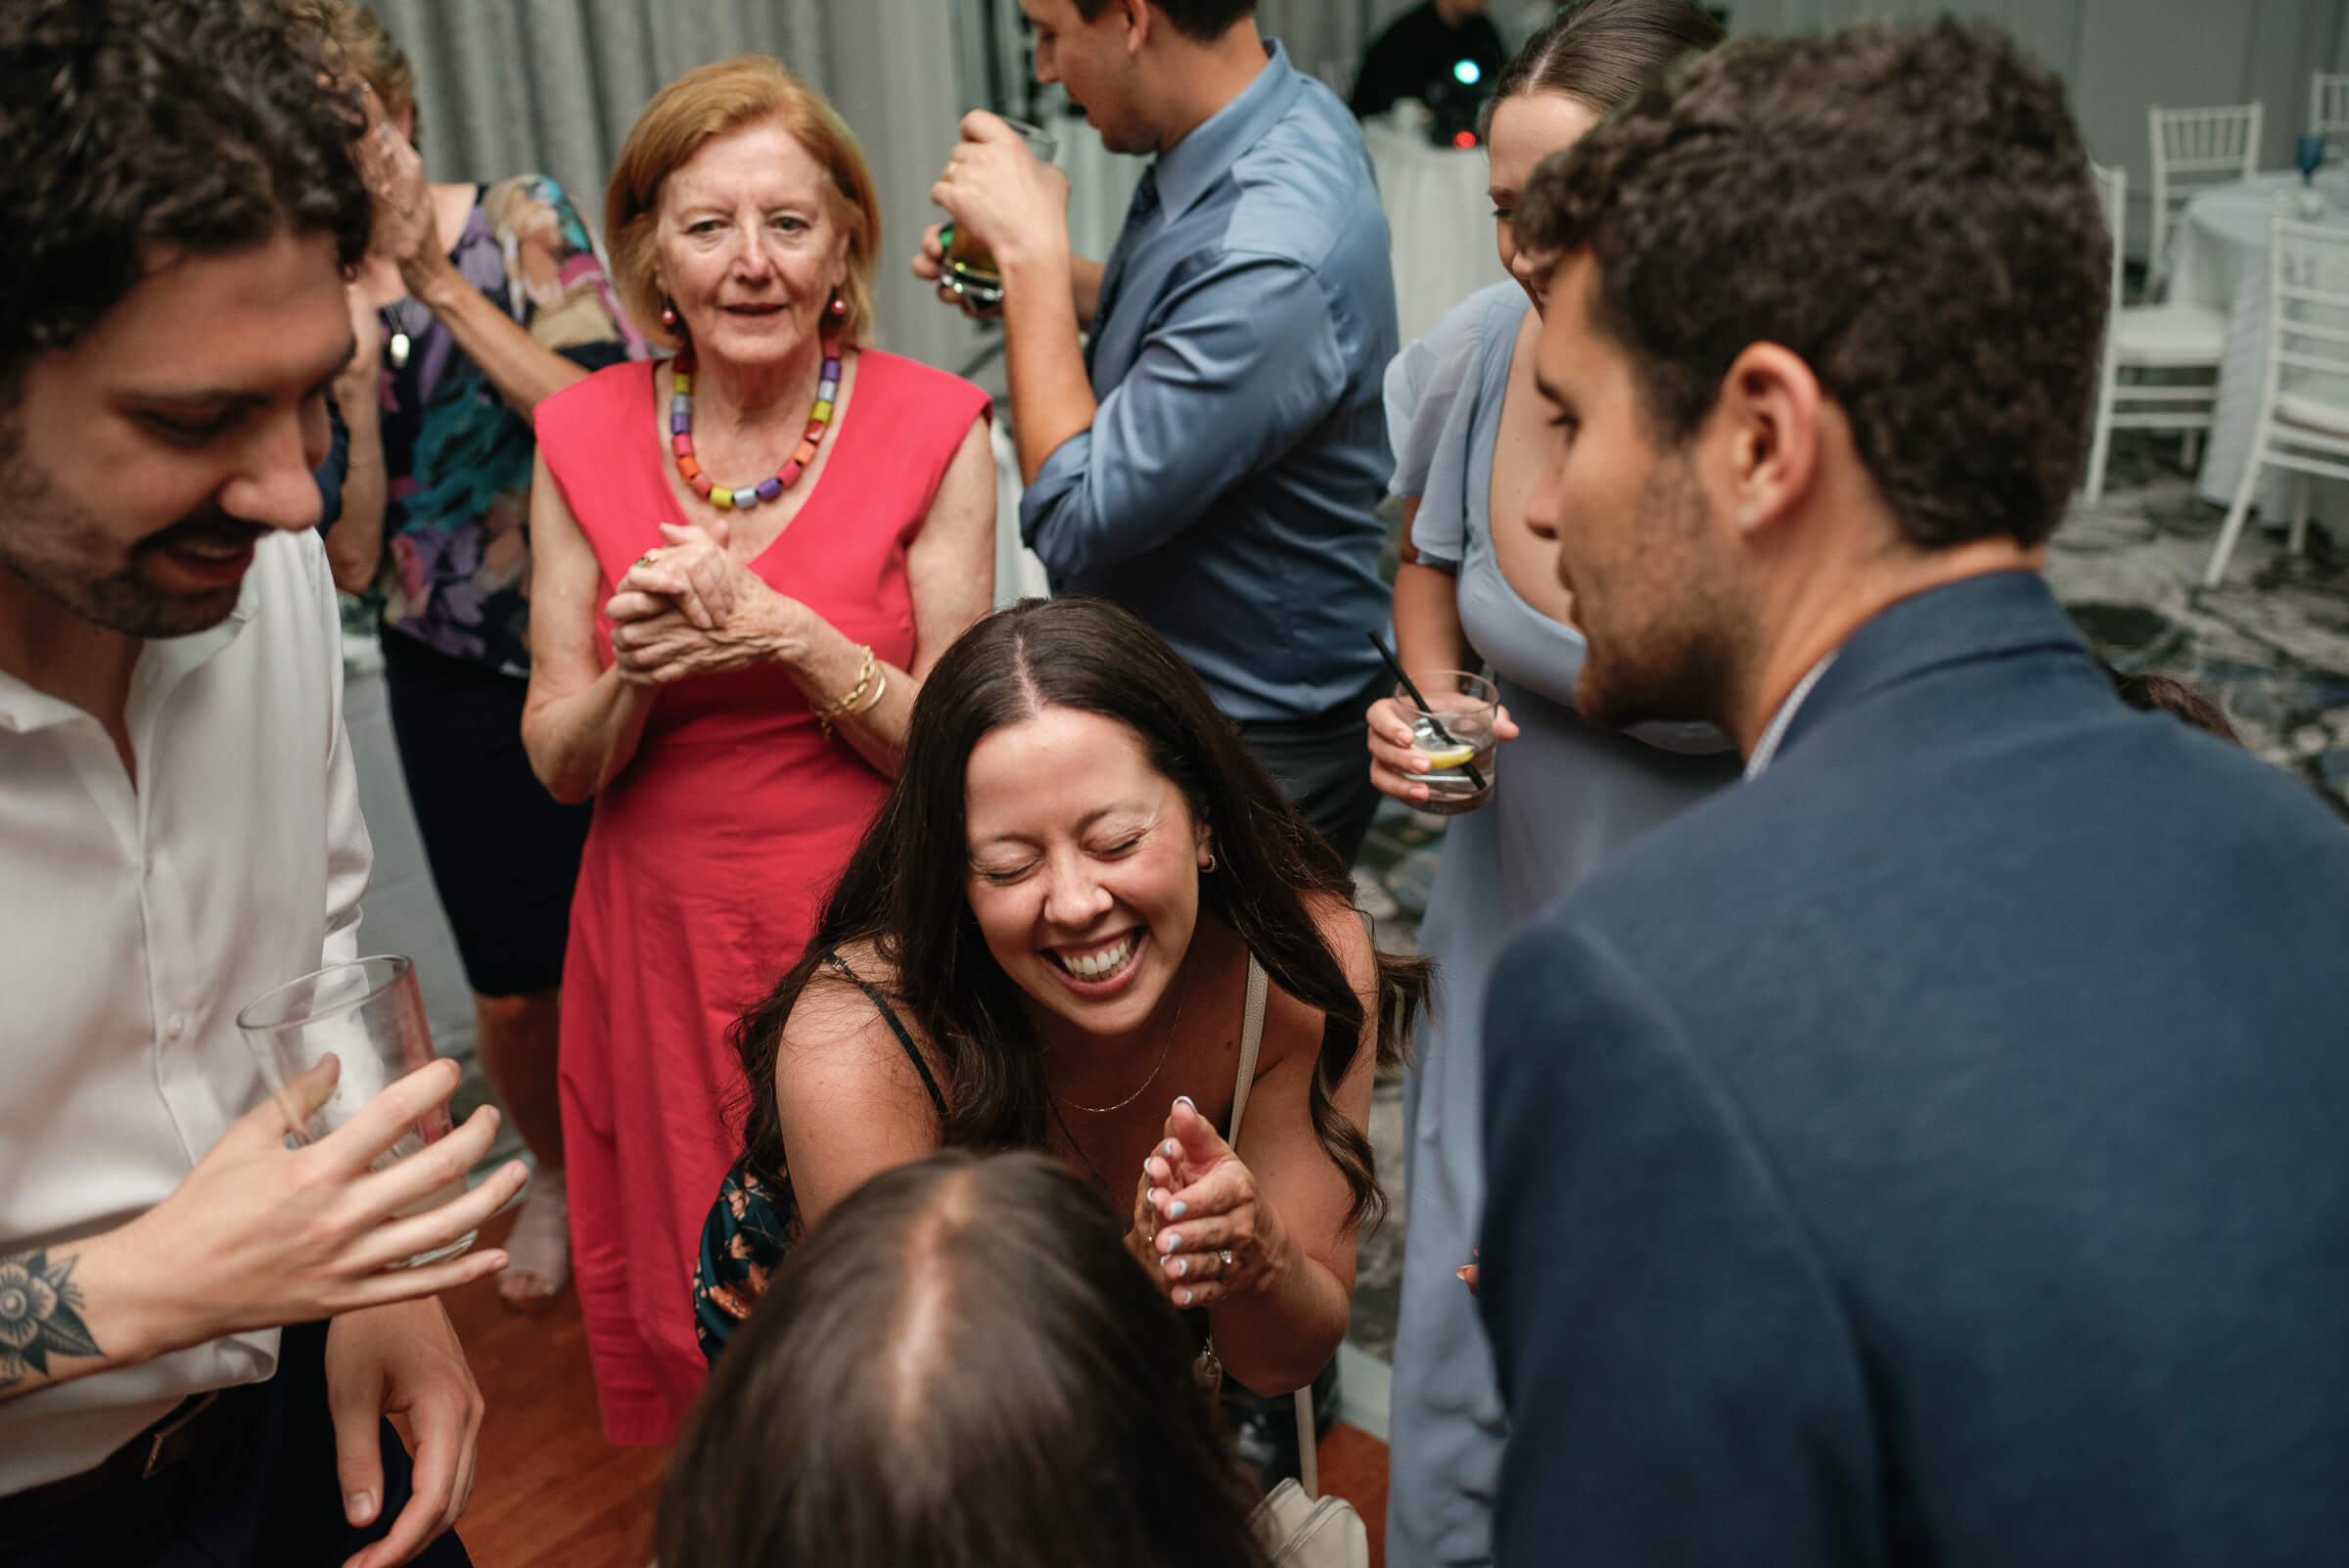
1907	208
142	129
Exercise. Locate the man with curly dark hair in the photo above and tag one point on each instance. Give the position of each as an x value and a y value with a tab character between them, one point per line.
199	1335
1927	1152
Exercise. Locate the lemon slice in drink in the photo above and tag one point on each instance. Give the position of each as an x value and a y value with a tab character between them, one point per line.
1439	759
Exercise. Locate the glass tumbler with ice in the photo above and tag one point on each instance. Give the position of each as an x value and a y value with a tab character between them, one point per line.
368	1015
1452	727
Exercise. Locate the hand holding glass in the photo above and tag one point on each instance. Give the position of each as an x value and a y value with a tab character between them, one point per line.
1454	728
369	1016
969	268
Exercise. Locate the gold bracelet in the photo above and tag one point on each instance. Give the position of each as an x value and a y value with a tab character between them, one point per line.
826	713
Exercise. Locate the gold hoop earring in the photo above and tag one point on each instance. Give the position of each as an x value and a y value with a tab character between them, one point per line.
1209	868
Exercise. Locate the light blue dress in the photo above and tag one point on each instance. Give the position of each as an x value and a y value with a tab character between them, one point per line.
1566	796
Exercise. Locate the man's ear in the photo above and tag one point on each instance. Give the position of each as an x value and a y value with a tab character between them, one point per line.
1764	429
1138	23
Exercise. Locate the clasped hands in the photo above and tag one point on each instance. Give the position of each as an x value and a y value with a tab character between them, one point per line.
1199	1225
689	608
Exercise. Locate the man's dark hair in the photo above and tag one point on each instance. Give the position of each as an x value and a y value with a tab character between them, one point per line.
139	129
964	1365
1907	208
1202	19
2162	694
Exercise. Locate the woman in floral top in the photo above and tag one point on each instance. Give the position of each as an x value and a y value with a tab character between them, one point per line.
475	302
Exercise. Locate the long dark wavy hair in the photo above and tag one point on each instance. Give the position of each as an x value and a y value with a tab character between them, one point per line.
963	1368
903	890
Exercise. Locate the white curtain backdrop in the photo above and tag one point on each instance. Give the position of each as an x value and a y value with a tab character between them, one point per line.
553	86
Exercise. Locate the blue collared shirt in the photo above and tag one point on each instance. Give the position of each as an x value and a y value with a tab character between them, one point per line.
1224	493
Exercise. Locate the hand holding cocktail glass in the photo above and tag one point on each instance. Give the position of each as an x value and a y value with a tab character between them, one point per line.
1432	743
261	1234
1001	193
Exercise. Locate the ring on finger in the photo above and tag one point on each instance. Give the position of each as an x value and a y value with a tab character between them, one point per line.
648	558
1224	1257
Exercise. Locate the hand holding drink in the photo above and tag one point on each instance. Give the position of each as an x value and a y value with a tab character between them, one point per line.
998	186
1434	743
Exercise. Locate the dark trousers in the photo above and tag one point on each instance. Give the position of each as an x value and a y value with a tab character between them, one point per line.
1323	765
263	1494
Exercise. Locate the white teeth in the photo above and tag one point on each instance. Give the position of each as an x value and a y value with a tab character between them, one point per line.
1099	965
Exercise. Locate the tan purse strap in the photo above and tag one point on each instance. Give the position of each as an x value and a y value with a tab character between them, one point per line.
1252	1040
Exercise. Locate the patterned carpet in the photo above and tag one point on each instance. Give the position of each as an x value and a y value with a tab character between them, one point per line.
2271	645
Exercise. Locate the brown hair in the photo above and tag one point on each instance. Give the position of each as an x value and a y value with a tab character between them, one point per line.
903	889
143	129
357	37
1604	51
962	1365
1201	20
2162	694
1907	208
688	115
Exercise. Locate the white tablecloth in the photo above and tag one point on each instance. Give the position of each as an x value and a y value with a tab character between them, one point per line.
1437	211
2223	263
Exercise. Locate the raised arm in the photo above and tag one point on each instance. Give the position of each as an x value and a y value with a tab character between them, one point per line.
580	722
1244	366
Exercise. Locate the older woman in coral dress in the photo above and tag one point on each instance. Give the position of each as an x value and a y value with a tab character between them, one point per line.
747	559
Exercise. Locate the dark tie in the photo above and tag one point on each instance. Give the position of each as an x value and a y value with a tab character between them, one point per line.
1138	213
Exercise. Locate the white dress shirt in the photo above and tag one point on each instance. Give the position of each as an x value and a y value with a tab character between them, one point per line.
136	922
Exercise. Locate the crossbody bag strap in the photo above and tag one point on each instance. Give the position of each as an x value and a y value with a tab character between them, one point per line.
1252	1040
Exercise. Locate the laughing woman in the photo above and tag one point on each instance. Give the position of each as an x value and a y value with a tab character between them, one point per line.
1086	922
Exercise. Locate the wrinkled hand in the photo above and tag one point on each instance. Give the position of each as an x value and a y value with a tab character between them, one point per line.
999	192
406	231
402	1359
1396	765
692	574
259	1235
655	637
1214	1239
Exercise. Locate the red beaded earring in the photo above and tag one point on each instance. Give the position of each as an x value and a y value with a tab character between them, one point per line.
668	313
837	309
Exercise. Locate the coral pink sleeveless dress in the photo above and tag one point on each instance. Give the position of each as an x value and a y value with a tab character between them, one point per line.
712	852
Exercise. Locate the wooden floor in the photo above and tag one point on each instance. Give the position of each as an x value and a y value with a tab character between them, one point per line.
551	1493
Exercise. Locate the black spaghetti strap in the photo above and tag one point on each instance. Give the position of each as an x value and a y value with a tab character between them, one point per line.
889	1016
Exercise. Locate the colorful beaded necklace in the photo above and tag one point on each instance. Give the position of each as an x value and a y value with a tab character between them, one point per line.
803	457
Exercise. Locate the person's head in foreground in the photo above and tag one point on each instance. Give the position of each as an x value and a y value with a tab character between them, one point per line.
171	303
1076	845
962	1365
1578	66
1825	327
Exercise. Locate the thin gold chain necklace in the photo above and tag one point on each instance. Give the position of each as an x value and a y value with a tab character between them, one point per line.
1162	1051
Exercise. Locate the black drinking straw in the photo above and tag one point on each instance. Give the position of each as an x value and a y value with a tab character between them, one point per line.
1437	724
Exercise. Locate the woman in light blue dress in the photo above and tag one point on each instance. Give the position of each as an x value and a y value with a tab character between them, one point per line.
1476	588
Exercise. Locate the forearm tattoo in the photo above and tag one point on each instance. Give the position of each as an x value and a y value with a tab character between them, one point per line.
40	1317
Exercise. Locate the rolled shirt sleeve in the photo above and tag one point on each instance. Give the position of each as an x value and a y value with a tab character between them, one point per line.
1245	363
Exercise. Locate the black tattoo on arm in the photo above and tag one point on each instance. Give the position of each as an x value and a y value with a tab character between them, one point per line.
40	1317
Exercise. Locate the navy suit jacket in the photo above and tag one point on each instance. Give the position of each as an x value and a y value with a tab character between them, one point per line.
1935	1150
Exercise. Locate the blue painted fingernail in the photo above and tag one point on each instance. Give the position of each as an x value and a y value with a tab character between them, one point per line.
1170	1148
1183	1298
1172	1240
1178	1267
1185	1099
1177	1209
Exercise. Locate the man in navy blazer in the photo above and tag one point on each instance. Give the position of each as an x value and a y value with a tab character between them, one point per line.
1935	1150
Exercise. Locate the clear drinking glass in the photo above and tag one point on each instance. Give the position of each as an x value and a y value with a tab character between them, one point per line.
369	1016
970	268
1454	729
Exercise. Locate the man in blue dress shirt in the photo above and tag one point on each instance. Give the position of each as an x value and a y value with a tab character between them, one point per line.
1209	459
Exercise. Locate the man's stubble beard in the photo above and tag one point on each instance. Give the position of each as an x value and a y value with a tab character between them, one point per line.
33	510
1680	664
